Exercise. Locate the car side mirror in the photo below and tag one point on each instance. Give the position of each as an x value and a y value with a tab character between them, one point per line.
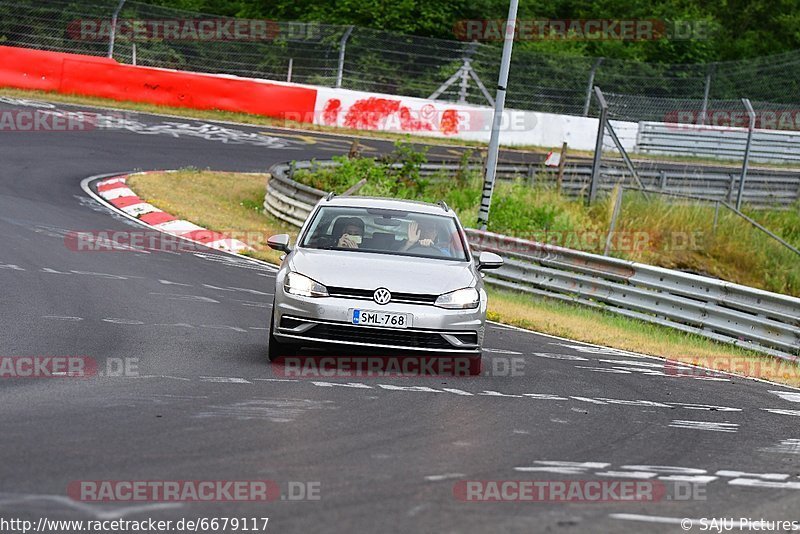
489	260
279	242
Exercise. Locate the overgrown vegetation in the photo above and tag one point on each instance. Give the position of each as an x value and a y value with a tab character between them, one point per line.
741	30
651	230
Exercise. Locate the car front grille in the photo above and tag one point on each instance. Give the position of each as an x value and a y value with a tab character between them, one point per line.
366	294
337	332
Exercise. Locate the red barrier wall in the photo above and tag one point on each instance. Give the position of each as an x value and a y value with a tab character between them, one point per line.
23	68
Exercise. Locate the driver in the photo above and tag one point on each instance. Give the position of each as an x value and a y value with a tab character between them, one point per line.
423	235
350	232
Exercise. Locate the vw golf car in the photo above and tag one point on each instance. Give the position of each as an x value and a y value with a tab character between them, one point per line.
380	273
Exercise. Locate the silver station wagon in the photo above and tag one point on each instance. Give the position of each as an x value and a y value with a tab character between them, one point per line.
380	273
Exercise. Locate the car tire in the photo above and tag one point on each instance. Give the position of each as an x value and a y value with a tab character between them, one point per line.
276	349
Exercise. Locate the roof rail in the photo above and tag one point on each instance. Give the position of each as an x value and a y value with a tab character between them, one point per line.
442	204
330	195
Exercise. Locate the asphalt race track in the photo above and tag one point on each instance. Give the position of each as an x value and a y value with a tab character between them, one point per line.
384	454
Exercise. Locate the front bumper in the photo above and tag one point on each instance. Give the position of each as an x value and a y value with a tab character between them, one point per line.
328	320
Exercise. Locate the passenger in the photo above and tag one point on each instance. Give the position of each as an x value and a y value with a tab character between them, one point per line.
424	235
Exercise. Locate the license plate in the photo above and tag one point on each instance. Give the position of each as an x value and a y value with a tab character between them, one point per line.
384	319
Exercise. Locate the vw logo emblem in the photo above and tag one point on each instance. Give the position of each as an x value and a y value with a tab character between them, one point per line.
382	296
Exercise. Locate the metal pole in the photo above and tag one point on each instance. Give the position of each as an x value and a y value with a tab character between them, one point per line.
589	87
706	93
289	73
499	104
133	53
113	35
752	114
598	147
462	93
342	45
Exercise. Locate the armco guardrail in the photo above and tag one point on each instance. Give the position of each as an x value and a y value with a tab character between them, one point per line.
764	187
777	146
726	312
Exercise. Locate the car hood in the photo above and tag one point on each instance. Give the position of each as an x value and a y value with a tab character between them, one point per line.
365	270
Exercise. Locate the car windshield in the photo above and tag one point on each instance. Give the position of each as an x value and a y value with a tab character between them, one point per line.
386	232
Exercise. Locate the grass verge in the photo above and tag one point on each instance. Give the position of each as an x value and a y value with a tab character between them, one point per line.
687	236
231	202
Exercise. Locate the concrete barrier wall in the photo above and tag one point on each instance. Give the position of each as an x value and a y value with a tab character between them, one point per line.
102	77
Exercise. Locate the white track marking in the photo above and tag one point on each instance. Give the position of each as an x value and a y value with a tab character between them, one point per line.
787	395
779	411
446	476
786	446
705	425
224	380
650	518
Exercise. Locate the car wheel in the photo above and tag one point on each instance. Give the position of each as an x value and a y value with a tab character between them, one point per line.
276	349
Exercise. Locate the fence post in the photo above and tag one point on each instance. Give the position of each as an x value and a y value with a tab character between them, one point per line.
562	161
289	72
589	87
706	92
342	44
598	147
113	34
750	128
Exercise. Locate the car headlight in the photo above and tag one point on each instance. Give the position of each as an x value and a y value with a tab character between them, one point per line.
297	284
460	299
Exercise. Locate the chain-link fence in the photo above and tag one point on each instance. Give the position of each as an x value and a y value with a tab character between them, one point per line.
372	60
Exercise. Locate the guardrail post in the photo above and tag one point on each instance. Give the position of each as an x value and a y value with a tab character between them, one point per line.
716	217
614	215
598	147
729	196
752	115
342	44
291	169
531	175
113	35
662	184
